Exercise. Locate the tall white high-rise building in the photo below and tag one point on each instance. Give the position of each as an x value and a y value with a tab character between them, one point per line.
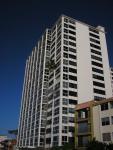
81	73
32	122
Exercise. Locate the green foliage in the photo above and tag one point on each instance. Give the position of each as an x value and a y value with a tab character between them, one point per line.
96	145
68	146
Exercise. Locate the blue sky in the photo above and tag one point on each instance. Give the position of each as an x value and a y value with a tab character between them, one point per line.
21	25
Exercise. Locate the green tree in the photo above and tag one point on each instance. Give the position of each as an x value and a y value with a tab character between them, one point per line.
96	145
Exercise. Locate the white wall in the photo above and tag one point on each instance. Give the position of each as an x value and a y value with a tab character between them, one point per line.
84	69
105	65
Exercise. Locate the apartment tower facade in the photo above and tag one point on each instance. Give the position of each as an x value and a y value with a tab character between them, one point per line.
111	73
81	73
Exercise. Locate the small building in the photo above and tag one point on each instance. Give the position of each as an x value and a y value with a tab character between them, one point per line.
93	119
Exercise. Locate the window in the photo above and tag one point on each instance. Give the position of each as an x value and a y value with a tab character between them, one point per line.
106	136
95	41
57	94
95	46
65	61
65	69
65	93
55	140
94	30
64	119
82	114
105	121
65	48
65	30
65	36
71	119
72	70
104	106
72	44
72	27
65	25
72	85
99	91
72	102
72	32
72	77
65	20
72	56
98	77
96	52
57	102
93	35
56	111
72	63
72	110
65	101
64	110
48	140
64	129
96	58
56	120
111	104
65	55
64	139
71	93
56	129
65	76
99	84
72	21
72	50
72	38
65	42
83	127
71	129
111	119
65	84
97	70
97	64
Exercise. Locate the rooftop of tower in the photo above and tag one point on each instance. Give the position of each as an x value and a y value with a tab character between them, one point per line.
99	28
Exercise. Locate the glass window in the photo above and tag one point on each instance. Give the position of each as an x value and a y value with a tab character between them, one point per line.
71	119
72	102
71	93
72	110
83	127
65	93
65	84
65	69
72	77
65	76
65	55
111	104
65	61
64	119
64	129
111	119
106	136
72	85
65	101
104	106
72	70
105	121
64	110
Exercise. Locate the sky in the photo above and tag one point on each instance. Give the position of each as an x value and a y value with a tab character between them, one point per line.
21	24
